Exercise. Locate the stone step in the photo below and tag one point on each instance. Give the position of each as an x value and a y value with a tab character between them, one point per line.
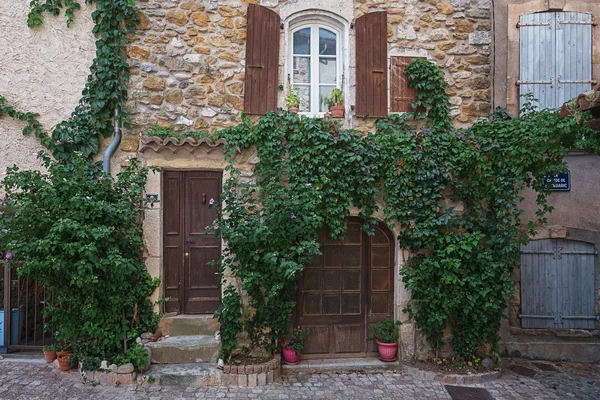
188	325
185	350
185	375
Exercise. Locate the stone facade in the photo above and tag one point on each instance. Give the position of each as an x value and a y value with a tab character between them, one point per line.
188	57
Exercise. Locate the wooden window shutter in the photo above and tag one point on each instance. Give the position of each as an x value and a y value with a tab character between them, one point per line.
262	60
401	94
371	65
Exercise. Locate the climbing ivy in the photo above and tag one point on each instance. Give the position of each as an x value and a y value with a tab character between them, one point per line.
106	87
455	195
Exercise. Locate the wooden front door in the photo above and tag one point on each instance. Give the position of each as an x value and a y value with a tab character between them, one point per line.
191	284
344	290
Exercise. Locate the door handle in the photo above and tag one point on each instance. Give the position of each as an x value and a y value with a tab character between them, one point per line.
187	254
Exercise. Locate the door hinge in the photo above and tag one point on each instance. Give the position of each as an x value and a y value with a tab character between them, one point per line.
548	24
567	22
559	80
550	82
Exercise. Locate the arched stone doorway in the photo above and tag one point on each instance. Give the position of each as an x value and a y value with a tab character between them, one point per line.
350	286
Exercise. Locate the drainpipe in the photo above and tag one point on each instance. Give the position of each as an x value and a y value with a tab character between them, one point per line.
115	142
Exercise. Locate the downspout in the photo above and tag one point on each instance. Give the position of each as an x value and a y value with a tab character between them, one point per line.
114	143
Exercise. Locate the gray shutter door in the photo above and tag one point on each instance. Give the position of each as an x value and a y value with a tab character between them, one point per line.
573	55
557	284
538	280
537	58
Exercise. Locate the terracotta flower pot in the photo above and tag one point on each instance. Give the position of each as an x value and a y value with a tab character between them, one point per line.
293	110
63	363
337	111
50	355
387	351
63	353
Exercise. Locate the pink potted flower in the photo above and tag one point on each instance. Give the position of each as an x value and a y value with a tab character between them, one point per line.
293	347
386	336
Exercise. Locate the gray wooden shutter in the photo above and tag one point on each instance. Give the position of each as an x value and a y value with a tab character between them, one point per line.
537	54
555	56
574	55
557	284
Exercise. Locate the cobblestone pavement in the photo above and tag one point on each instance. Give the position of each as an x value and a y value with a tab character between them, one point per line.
34	381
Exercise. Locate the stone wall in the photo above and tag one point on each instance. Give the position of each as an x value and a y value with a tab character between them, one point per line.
188	56
43	70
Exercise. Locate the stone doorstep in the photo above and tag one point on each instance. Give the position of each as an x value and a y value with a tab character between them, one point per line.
185	350
188	325
112	378
343	364
186	375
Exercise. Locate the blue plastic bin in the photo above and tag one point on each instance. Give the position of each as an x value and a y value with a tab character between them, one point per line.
16	326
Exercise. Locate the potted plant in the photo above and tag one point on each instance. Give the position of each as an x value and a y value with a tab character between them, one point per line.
336	103
386	336
49	353
63	362
293	100
293	347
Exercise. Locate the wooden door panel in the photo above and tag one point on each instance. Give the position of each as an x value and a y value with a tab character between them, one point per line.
173	240
190	281
202	289
343	290
349	338
317	341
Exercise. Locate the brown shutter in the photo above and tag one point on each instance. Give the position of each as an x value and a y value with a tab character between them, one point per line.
371	65
262	60
401	95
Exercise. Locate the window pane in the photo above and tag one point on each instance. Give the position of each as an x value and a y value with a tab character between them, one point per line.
327	70
304	92
301	69
324	95
302	41
327	43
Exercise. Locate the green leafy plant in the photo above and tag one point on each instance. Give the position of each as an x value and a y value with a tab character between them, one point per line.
230	318
296	342
164	132
293	97
386	331
76	231
51	348
336	98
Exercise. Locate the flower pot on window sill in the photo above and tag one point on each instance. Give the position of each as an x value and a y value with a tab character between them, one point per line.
337	111
293	110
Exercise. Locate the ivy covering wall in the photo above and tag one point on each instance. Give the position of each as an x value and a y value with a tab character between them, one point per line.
311	172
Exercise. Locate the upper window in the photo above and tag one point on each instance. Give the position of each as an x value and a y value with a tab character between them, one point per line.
316	65
555	56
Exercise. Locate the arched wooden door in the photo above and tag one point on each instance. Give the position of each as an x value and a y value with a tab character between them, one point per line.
350	286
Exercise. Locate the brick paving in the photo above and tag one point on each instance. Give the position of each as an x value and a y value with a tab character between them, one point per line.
35	381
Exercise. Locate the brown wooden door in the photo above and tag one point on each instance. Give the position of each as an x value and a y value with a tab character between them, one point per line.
345	289
191	284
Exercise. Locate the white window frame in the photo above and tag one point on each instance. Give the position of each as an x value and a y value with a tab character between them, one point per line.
334	23
315	83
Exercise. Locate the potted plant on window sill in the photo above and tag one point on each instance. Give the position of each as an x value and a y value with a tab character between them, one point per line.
294	346
386	336
293	100
336	103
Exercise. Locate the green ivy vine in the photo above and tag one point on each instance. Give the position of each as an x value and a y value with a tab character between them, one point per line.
106	87
455	195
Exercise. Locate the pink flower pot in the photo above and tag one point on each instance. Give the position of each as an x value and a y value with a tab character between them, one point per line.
289	355
387	351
